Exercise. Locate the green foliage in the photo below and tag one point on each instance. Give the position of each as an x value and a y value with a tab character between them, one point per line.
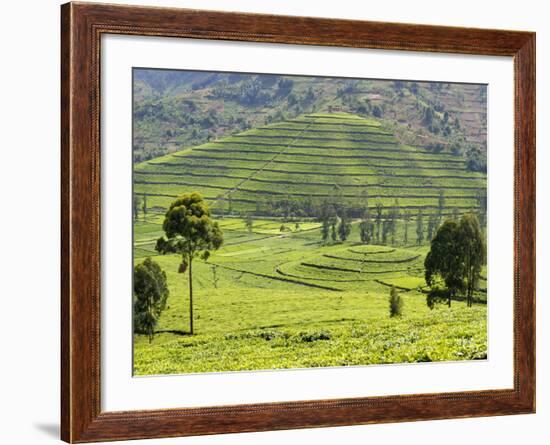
254	319
457	255
189	228
437	295
150	295
309	337
476	158
344	228
333	234
444	259
282	299
428	116
296	181
396	303
190	232
191	108
366	229
473	252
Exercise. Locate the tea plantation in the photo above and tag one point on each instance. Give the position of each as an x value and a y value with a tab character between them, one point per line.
276	295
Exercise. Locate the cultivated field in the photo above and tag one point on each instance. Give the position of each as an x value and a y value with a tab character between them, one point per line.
311	158
275	295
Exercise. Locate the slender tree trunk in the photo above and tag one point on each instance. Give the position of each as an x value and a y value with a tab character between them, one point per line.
191	296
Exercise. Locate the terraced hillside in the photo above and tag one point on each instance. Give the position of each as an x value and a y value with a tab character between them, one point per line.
312	158
279	295
180	109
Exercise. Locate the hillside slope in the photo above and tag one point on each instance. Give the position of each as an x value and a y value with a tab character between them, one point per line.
179	109
292	166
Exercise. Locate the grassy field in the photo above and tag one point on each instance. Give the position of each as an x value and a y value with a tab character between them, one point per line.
277	297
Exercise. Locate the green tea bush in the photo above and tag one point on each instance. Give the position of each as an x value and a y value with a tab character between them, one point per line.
309	337
396	303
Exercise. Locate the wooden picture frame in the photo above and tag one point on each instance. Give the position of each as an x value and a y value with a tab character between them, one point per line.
82	25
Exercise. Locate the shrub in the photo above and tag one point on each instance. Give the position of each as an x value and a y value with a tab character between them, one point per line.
309	337
270	335
396	303
150	295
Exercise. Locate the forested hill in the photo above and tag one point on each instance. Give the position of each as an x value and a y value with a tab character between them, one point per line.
295	167
174	110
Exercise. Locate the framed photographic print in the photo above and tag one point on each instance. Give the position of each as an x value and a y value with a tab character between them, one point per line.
276	222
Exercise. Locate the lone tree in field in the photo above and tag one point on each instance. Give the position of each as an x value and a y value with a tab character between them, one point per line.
457	255
190	232
150	295
396	303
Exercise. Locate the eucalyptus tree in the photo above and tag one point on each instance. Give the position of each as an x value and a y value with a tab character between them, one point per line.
190	232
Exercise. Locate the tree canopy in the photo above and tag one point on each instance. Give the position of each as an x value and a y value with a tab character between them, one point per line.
189	228
191	232
150	295
456	256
